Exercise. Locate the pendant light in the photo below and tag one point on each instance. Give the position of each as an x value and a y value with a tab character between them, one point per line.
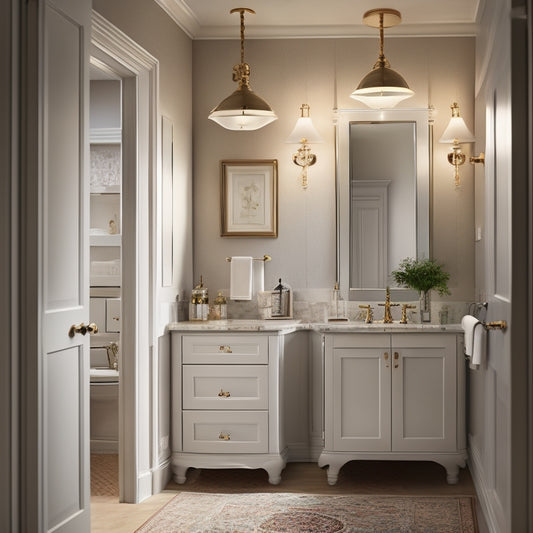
382	87
242	110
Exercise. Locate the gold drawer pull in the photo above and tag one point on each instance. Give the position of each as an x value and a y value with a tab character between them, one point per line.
396	359
224	394
117	318
224	436
386	357
225	349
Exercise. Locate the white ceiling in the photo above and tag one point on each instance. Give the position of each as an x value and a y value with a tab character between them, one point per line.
211	19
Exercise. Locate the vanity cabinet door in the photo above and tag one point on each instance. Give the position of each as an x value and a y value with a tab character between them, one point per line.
358	393
424	392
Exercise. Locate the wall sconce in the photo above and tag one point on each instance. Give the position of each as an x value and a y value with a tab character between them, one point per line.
382	87
304	133
242	109
457	133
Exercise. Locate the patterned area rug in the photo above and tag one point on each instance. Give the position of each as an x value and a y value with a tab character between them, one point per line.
312	513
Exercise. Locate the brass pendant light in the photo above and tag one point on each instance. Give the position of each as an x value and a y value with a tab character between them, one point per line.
242	110
382	87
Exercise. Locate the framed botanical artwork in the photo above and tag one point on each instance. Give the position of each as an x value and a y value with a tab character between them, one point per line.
249	198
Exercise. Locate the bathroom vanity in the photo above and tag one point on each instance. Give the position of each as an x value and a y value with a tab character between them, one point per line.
393	394
254	394
227	408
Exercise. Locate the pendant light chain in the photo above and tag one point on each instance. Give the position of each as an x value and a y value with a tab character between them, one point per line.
242	36
381	39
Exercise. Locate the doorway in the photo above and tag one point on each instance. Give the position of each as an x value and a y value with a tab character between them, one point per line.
121	59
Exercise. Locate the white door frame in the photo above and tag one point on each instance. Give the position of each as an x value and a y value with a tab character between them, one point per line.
139	72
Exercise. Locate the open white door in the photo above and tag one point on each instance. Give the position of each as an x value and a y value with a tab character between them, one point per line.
57	258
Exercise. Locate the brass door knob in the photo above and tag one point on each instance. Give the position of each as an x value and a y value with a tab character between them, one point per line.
83	329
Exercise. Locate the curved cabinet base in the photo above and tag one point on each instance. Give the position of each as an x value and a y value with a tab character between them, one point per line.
450	461
272	463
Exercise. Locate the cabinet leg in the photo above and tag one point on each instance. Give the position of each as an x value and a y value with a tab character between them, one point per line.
452	474
274	469
180	474
333	474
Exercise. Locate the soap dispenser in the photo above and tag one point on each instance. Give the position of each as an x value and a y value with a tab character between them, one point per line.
337	306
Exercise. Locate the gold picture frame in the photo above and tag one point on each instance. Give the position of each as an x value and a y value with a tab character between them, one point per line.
249	198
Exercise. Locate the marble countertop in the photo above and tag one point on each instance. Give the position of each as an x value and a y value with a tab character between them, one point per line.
289	325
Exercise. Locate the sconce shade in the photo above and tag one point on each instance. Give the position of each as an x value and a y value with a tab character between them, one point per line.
304	131
457	131
242	110
382	87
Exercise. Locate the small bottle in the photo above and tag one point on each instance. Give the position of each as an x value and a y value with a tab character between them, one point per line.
220	307
199	306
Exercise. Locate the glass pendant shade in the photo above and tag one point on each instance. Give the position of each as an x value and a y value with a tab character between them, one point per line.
382	87
242	110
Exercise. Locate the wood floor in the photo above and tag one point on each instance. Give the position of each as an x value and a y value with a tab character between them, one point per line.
356	477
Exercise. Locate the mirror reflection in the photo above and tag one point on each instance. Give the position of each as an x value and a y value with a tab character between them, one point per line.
383	197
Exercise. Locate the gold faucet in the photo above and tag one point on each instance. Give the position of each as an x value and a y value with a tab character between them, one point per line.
387	317
369	314
404	312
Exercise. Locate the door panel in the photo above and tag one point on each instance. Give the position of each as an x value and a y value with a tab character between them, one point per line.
361	404
65	259
63	151
424	393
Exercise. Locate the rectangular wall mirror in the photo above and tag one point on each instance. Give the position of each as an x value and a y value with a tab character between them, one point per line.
383	178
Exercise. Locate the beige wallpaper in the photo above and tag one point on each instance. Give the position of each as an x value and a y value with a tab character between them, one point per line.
322	73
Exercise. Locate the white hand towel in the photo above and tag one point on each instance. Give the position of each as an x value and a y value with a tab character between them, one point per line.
475	340
241	278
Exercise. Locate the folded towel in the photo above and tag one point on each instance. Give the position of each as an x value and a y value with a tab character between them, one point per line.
241	278
475	340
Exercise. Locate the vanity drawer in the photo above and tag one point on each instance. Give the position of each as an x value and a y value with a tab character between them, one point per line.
225	349
225	431
225	387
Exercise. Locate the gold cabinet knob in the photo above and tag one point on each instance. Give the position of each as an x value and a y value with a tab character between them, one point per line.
224	394
83	329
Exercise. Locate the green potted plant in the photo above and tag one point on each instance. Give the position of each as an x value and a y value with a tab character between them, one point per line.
422	275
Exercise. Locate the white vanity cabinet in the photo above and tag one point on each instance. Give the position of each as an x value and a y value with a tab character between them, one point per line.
394	396
226	402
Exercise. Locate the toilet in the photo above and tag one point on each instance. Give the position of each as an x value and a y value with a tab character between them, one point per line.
104	389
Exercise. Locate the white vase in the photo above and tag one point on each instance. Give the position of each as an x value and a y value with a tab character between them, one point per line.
425	306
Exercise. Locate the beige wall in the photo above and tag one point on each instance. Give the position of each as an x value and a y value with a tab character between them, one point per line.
323	72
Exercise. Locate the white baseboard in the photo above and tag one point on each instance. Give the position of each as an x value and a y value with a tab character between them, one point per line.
104	446
161	476
144	486
483	491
